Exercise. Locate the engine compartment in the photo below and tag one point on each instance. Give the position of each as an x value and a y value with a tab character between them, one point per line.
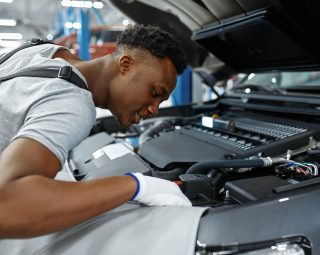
218	158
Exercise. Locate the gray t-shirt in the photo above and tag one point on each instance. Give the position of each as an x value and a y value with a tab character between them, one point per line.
54	112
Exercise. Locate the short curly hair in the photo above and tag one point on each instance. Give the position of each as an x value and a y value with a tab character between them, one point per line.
158	42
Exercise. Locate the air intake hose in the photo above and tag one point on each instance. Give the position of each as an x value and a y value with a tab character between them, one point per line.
198	168
153	131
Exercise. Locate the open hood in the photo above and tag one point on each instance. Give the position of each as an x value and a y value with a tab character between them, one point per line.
247	35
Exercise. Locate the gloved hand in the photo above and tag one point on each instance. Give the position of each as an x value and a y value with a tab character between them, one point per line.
154	191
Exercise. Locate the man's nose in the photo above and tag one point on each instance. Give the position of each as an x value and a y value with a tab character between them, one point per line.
153	109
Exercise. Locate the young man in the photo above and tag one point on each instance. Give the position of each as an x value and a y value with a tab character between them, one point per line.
41	119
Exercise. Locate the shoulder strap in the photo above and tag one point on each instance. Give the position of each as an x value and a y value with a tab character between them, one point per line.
33	42
65	72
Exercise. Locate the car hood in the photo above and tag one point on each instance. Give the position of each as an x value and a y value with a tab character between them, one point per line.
246	35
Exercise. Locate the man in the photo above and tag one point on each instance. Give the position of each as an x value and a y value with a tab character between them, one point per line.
41	119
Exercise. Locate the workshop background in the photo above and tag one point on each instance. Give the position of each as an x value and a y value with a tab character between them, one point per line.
22	20
88	28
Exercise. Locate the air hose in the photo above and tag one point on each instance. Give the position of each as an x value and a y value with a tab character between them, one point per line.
199	168
172	175
153	131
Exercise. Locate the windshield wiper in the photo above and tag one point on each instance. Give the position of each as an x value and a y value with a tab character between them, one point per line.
257	88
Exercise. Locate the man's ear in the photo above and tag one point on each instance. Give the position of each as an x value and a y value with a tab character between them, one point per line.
124	63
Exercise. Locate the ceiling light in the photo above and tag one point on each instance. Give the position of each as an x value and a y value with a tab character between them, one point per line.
6	1
125	22
50	37
76	25
68	24
5	50
79	4
251	76
8	22
98	5
82	4
11	36
9	44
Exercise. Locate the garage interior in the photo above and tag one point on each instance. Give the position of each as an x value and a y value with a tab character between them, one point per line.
239	135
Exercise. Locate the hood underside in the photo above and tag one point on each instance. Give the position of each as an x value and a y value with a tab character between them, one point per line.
246	35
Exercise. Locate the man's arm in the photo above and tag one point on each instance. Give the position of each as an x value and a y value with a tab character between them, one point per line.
32	203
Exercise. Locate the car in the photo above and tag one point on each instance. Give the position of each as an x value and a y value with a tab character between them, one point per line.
248	159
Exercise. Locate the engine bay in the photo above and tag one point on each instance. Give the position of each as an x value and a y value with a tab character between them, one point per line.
217	158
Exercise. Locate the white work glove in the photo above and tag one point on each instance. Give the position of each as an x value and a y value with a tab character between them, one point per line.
154	191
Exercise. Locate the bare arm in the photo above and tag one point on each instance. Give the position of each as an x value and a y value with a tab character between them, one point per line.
32	203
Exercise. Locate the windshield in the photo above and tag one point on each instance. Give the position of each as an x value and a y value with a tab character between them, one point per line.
282	79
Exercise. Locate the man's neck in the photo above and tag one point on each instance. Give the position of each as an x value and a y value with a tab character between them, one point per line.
97	72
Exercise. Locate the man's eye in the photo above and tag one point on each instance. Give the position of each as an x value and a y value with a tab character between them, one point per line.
155	93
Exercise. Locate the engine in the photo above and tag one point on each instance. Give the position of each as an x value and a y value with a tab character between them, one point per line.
216	159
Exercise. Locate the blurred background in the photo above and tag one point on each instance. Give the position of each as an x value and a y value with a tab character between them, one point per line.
89	29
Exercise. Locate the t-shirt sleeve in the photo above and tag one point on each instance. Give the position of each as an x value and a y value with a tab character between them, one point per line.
60	122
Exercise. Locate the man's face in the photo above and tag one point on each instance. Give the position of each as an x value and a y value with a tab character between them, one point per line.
142	89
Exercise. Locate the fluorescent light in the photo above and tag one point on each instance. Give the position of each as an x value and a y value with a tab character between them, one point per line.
76	25
49	37
125	22
68	24
283	199
11	36
6	1
9	44
98	5
8	22
82	4
5	50
79	4
251	76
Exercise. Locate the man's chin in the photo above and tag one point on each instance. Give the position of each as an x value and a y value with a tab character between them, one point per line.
126	126
124	123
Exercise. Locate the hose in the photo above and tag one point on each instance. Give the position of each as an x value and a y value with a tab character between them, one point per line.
172	175
153	131
199	168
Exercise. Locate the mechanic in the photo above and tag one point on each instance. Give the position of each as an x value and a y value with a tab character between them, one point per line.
42	119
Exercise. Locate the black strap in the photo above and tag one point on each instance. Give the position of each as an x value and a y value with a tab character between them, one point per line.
64	72
33	42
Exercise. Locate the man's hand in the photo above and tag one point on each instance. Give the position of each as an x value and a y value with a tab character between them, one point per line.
158	192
